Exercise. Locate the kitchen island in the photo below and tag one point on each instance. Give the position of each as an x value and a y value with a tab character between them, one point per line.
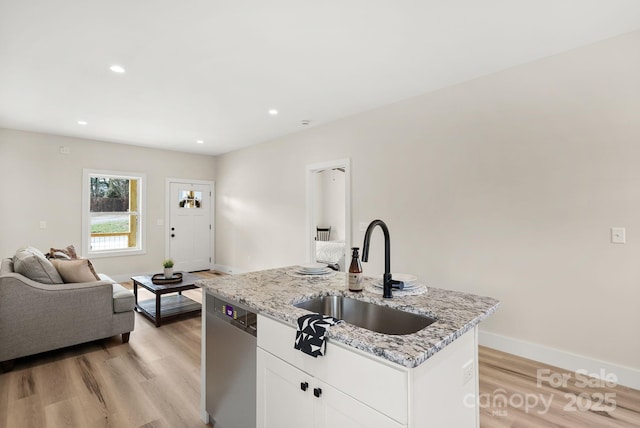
416	380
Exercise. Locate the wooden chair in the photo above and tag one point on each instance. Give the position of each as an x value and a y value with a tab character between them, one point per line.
323	233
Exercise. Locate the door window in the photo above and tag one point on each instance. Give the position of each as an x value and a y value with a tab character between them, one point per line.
190	199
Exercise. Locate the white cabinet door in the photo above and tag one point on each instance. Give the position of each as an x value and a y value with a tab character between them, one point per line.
282	401
337	409
378	384
290	398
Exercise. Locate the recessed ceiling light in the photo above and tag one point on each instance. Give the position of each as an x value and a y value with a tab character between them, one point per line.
273	112
116	69
82	122
200	141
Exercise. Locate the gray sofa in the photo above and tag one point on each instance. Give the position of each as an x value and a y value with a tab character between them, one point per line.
37	317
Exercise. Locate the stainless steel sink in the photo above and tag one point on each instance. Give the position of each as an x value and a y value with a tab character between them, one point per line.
381	319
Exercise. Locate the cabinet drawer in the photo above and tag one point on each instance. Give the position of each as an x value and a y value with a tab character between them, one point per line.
373	381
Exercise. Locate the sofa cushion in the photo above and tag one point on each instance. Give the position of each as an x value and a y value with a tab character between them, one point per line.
122	299
31	263
105	277
78	270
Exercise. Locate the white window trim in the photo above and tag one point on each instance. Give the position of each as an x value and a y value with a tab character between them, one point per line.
86	217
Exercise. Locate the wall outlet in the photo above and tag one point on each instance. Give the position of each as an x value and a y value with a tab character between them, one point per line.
43	224
64	150
618	235
467	372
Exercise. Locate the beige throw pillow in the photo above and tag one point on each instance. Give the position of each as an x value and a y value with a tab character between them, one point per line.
78	270
63	253
31	263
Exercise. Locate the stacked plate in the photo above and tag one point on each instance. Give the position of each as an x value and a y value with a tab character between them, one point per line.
313	269
410	281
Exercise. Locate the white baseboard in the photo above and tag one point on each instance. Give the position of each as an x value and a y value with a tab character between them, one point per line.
124	277
120	278
626	376
228	269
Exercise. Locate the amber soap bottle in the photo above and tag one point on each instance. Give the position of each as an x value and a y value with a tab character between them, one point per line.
355	271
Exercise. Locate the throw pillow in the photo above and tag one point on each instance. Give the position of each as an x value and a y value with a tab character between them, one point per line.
63	253
57	255
31	263
78	270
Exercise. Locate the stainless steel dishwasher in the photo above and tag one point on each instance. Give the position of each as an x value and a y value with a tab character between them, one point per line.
230	363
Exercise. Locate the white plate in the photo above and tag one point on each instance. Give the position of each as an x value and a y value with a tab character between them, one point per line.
300	274
313	272
404	277
313	266
418	290
407	287
316	272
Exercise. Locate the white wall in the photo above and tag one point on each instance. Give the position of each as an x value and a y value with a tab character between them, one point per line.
38	183
503	186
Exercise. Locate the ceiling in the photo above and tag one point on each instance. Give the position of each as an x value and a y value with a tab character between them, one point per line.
211	70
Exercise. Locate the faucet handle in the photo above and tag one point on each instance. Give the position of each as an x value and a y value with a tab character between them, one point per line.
397	284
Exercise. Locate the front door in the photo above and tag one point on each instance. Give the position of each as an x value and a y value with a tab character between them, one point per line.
190	225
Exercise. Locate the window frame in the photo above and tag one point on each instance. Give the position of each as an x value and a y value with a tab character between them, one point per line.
141	248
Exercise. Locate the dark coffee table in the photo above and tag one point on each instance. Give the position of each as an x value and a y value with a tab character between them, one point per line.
163	307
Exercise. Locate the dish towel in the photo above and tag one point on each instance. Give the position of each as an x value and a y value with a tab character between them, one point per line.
310	337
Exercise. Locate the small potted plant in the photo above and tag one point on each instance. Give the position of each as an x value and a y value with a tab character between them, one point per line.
168	268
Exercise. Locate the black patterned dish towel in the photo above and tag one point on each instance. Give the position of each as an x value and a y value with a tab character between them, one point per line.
310	337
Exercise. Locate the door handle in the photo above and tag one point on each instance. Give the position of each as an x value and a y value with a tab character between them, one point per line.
173	235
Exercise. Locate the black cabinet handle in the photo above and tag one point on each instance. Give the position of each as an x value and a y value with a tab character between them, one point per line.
317	392
173	235
304	386
173	228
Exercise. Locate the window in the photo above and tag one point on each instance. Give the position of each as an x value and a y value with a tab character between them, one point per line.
113	208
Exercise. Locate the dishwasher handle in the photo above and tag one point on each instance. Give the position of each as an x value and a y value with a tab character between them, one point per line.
237	323
250	329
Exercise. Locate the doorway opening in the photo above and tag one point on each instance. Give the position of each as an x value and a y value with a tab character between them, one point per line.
329	212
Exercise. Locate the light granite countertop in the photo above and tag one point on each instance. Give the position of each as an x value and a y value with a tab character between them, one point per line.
273	292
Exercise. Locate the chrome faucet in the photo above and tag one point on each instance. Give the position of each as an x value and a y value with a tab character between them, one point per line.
387	282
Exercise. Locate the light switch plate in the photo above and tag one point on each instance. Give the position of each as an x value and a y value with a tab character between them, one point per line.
618	235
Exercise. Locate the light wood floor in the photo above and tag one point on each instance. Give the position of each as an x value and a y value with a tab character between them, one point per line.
516	392
154	381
